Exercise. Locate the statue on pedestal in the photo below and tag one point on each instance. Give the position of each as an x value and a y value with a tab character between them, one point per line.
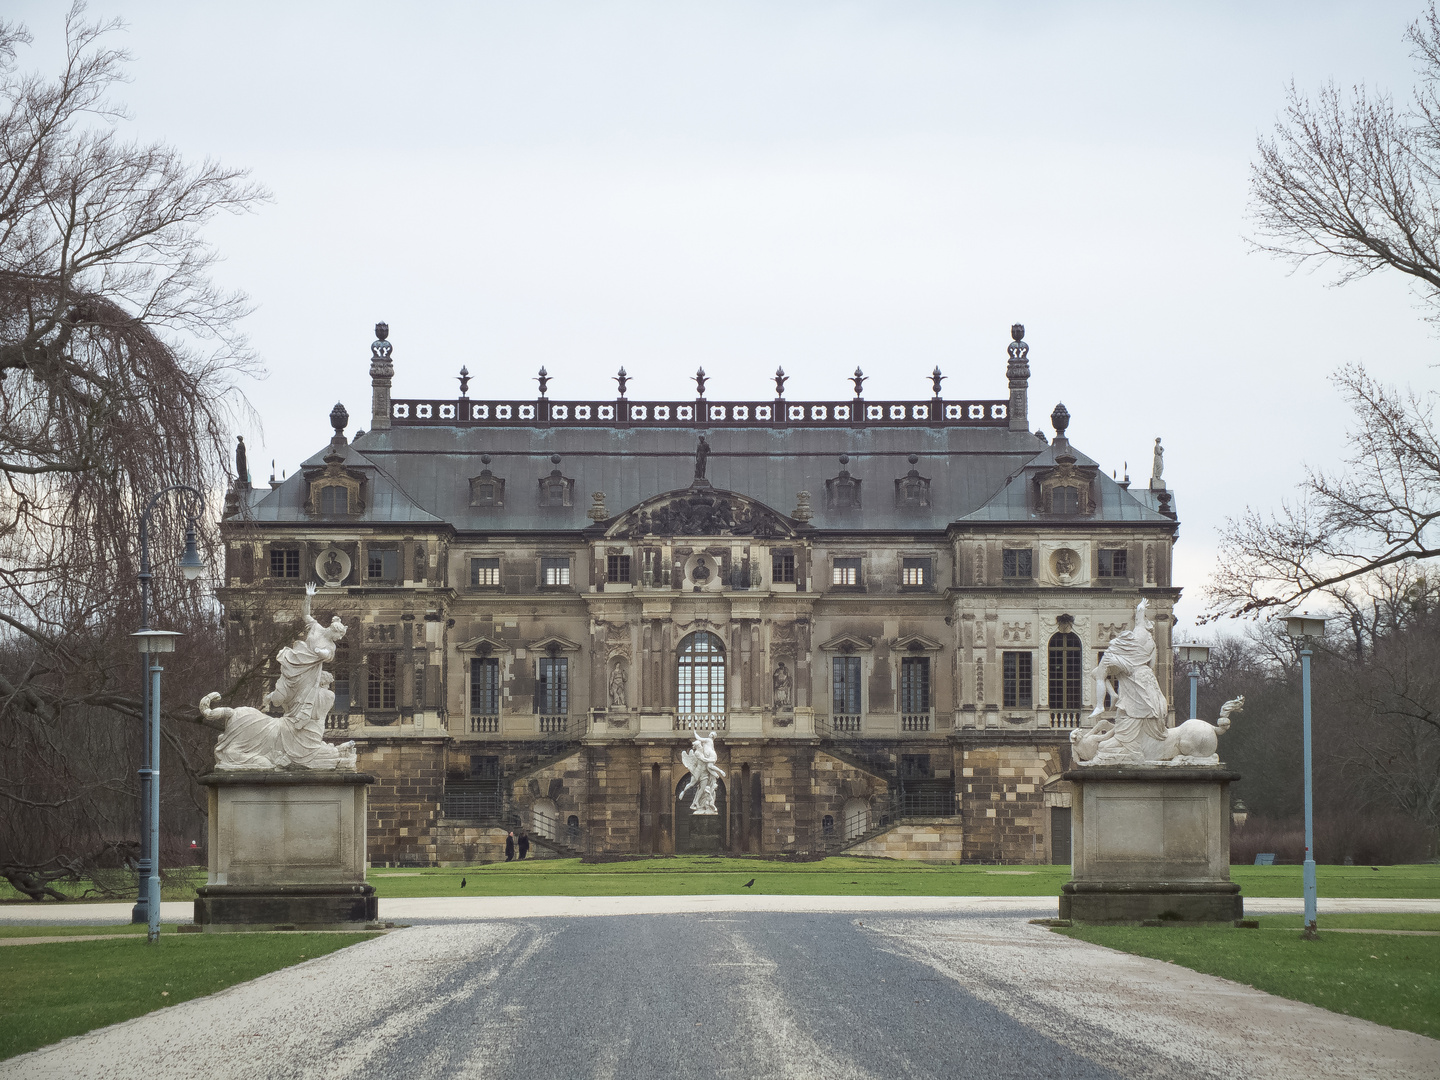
256	740
1138	735
705	774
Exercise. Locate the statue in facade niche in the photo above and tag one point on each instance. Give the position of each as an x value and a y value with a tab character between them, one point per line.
1138	735
296	739
617	685
701	759
782	686
702	455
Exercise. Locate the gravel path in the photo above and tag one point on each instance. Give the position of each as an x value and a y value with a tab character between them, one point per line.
736	995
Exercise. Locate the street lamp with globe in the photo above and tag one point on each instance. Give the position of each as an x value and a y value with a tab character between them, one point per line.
151	644
1305	628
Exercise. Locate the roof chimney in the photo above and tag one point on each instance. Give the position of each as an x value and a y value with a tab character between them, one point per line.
381	372
1018	371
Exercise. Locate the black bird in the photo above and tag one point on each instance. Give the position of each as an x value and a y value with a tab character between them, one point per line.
748	883
462	882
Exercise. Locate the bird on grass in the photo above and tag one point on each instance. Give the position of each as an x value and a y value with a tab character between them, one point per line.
462	882
748	883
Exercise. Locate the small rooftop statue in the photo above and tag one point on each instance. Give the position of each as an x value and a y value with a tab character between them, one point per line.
702	454
242	469
1158	470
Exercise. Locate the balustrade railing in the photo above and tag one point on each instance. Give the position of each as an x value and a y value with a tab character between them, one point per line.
845	723
1064	718
915	721
337	722
698	412
554	724
699	721
484	725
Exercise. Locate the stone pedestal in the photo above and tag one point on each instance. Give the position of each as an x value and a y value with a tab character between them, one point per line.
286	848
1151	843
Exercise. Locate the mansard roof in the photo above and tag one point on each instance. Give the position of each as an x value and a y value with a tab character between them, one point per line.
387	502
1015	500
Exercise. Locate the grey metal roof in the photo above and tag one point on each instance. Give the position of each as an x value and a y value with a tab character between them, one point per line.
1114	502
421	474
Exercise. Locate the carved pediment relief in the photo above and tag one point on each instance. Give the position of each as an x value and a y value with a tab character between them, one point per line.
915	643
335	490
554	644
701	511
847	643
484	646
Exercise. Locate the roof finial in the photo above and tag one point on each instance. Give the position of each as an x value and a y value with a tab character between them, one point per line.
1061	419
936	379
780	380
622	379
700	380
339	417
543	379
464	381
858	379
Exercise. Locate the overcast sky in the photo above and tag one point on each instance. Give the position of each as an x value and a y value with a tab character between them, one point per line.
818	185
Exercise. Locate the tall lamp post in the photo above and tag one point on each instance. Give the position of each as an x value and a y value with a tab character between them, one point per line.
151	643
1305	628
1194	655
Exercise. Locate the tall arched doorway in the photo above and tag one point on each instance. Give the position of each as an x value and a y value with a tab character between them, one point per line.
702	834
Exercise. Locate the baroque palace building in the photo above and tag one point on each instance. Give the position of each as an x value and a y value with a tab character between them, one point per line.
886	610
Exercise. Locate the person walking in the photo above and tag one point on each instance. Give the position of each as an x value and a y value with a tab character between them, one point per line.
524	844
510	848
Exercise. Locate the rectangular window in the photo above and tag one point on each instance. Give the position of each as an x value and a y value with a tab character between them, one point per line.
845	692
915	685
914	573
1018	679
381	693
782	566
334	500
552	685
484	573
617	569
1017	563
382	565
845	572
285	562
1113	562
484	686
554	571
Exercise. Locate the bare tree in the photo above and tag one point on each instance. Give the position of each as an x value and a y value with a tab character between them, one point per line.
1354	181
118	365
1379	512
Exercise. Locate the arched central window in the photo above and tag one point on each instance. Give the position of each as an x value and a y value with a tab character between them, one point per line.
702	674
1065	675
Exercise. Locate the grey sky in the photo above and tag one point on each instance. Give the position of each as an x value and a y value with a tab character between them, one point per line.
742	185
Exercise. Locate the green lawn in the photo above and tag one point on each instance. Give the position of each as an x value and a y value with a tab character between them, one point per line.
836	876
69	930
1390	979
177	884
49	992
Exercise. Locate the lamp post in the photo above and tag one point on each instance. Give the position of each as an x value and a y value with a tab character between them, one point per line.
1194	655
150	643
1306	627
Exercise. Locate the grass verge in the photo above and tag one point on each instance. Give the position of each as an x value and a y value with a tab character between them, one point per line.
69	930
1389	979
49	992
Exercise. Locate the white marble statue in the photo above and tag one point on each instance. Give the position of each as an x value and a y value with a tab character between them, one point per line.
296	740
705	774
1138	735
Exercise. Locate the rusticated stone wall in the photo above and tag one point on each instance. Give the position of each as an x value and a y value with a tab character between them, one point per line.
405	800
1003	808
926	839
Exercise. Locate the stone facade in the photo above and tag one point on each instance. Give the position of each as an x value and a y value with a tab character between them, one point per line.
886	611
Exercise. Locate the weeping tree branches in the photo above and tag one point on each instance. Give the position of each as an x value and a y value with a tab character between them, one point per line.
119	360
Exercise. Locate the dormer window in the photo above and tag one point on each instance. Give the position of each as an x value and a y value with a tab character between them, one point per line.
1065	500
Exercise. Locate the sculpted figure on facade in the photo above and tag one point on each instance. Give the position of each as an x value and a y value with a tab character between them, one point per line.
618	698
296	739
701	759
1138	735
783	686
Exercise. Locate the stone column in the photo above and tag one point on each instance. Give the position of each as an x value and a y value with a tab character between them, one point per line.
1018	372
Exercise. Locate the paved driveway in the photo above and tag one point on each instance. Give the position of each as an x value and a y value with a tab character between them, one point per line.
736	994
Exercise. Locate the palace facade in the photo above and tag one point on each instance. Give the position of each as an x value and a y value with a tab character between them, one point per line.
885	610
